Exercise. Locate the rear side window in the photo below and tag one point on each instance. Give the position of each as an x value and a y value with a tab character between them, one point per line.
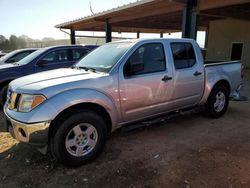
57	56
79	53
183	55
150	57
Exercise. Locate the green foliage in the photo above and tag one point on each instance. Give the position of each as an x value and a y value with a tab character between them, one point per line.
12	43
24	41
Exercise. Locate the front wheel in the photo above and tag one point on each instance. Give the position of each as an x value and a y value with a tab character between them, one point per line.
217	103
79	139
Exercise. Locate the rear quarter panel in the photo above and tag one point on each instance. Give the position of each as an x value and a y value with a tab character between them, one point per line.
230	72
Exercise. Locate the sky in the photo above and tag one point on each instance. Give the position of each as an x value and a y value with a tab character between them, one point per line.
37	18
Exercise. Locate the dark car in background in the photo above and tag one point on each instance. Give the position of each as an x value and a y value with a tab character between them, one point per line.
41	60
16	55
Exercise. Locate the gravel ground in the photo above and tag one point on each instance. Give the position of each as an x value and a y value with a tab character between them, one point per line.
185	152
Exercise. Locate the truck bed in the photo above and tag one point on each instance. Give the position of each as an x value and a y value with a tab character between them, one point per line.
214	63
230	70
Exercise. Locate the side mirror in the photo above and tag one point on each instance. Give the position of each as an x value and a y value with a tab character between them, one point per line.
41	63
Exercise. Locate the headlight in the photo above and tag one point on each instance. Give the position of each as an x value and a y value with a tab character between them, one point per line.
29	102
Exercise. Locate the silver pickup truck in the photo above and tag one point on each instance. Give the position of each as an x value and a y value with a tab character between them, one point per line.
71	111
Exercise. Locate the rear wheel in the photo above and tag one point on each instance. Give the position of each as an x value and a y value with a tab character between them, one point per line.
3	94
217	103
79	139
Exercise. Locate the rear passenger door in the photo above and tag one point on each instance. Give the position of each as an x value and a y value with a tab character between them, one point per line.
189	75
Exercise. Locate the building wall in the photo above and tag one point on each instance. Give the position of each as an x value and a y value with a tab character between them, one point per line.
221	35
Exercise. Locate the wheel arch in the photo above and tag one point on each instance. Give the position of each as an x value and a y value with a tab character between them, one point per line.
211	85
211	106
79	108
223	83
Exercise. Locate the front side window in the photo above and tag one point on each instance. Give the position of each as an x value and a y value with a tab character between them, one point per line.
148	58
183	55
56	56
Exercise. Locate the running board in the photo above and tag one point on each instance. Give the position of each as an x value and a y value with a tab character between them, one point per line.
160	119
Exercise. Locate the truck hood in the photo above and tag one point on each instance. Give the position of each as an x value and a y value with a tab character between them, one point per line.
53	81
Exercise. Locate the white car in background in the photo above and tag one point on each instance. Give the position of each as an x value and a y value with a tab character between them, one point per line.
16	55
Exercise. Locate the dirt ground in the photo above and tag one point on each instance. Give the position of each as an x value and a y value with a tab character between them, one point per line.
185	152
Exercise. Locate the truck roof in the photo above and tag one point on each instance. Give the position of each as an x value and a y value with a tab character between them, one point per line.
62	46
155	39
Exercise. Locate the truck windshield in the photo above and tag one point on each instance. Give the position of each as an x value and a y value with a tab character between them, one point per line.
105	57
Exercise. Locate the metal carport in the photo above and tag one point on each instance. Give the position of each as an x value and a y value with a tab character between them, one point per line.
160	16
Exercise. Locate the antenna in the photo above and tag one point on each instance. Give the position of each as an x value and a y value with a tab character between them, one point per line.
90	7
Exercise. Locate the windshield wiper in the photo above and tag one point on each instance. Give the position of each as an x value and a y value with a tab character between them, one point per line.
87	68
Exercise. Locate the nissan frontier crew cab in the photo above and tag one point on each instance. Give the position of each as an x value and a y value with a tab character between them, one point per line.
70	111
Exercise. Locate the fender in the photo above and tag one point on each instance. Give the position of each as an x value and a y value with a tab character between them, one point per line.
53	106
211	80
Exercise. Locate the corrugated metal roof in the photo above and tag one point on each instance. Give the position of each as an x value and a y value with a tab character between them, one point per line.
156	16
119	8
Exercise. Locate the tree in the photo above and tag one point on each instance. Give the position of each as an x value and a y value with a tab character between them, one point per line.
13	42
2	39
21	43
2	42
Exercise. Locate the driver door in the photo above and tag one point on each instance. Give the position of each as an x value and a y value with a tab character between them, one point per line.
144	89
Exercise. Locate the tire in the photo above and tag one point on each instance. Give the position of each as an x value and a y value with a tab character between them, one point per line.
84	133
3	94
217	103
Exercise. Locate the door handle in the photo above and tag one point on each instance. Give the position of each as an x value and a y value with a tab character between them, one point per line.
166	78
197	73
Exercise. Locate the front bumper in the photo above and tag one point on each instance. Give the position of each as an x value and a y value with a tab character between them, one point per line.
35	133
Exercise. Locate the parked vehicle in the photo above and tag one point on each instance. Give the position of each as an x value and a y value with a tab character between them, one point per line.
2	54
16	55
72	110
41	60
